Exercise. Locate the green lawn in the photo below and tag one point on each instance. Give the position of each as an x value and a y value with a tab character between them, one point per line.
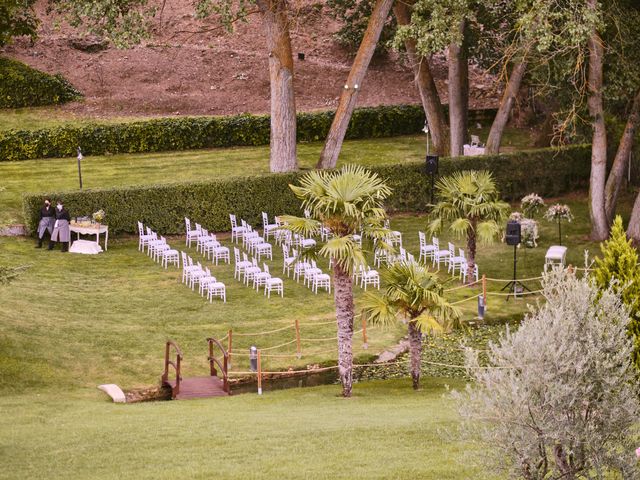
72	322
48	117
116	170
385	431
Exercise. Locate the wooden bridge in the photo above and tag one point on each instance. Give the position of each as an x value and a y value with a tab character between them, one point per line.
197	387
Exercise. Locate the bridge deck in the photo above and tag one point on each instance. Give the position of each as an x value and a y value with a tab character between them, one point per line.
199	387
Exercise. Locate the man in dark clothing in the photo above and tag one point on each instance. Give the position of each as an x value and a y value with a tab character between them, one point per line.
47	221
61	232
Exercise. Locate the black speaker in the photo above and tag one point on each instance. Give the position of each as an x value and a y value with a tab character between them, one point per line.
513	235
432	164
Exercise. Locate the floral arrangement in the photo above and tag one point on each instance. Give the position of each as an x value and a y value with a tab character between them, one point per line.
98	216
529	232
558	212
531	204
516	217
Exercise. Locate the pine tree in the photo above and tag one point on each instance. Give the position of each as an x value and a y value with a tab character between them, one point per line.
619	264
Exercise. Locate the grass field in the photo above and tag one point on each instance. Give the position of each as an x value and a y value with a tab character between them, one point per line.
48	175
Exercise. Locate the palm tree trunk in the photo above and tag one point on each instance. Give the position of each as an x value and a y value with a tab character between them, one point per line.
283	155
621	162
597	181
471	251
426	86
335	137
415	349
343	296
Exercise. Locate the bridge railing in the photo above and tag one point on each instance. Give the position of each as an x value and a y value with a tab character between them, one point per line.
171	363
213	361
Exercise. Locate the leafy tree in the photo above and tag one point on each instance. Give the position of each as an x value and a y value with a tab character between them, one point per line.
17	18
618	270
415	296
558	398
470	202
347	202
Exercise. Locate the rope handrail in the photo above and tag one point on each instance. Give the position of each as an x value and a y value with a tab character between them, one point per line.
466	285
500	294
466	299
278	346
313	324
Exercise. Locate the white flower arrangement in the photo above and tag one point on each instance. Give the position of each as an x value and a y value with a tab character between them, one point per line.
516	217
531	204
98	216
558	212
529	232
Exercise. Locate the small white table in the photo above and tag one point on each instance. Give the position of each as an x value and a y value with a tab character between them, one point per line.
93	229
472	150
555	256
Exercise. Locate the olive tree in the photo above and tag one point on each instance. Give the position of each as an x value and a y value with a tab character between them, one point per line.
558	398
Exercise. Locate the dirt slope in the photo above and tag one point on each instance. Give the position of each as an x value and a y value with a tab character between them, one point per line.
179	73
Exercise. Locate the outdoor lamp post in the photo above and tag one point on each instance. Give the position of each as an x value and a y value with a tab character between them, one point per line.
80	157
426	130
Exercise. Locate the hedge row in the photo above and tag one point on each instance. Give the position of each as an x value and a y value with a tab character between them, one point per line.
23	86
163	207
189	133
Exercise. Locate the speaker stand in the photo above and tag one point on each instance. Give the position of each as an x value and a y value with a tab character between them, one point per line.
432	177
513	285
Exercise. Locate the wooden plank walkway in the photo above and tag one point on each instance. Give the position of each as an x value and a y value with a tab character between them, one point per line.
199	387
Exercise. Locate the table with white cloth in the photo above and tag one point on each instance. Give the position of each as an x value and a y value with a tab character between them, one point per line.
91	229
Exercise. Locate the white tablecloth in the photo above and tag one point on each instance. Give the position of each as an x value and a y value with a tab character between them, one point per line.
95	229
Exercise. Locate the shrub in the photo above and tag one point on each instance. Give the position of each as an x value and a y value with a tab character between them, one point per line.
164	206
188	133
23	86
618	270
559	398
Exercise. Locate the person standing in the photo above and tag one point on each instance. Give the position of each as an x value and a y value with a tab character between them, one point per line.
61	232
47	221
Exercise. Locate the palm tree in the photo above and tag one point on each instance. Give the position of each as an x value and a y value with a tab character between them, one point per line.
414	295
347	202
470	201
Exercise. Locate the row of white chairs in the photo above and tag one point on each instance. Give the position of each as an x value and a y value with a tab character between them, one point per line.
312	276
250	273
157	247
195	274
454	263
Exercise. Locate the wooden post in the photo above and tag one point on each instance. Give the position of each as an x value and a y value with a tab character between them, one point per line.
570	269
298	347
229	345
484	290
365	343
259	374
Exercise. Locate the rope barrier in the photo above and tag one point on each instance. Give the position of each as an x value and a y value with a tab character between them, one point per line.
500	294
312	324
511	279
466	299
278	346
462	286
256	334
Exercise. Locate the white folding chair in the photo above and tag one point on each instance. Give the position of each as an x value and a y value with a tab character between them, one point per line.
263	249
269	229
217	289
457	262
260	278
240	265
143	238
369	277
236	231
274	284
250	272
190	234
287	260
321	280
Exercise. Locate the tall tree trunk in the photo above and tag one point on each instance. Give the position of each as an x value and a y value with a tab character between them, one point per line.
621	162
426	86
506	105
458	95
343	297
415	349
471	250
599	225
348	98
633	230
283	106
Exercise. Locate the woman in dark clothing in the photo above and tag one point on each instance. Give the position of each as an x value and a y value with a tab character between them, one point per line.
47	221
61	232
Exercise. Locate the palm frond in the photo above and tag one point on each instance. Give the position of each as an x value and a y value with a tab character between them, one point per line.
378	311
345	252
300	225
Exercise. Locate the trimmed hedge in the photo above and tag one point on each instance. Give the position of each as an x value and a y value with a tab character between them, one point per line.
189	133
23	86
163	207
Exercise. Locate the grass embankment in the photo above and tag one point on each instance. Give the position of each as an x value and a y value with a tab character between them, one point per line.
116	170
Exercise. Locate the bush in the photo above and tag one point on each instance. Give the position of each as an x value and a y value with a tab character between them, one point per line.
189	133
23	86
559	397
551	172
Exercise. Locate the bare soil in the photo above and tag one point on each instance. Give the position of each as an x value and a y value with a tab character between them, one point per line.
216	73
